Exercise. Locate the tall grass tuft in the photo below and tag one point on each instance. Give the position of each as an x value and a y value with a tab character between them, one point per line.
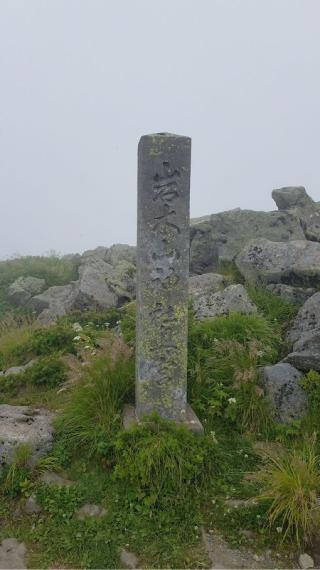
93	413
291	483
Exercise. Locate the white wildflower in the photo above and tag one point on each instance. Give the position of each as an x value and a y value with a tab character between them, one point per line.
213	435
77	327
77	338
279	529
232	400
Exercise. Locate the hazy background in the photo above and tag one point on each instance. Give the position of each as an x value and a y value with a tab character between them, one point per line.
82	80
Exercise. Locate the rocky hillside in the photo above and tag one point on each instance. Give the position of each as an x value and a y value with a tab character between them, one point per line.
77	491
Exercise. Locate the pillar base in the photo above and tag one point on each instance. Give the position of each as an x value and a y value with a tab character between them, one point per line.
192	422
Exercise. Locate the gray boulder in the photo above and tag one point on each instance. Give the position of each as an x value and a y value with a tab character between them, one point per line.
282	389
307	319
55	302
294	199
290	294
305	354
294	263
231	300
12	554
290	197
205	283
23	425
224	235
23	288
305	336
16	370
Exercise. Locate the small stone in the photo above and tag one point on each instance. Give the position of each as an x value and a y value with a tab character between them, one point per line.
305	561
128	559
12	554
31	506
51	478
90	510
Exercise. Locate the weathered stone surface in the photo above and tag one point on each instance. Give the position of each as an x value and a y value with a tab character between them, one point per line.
52	478
31	506
205	284
294	199
225	234
305	354
106	279
291	294
305	336
128	559
12	554
16	370
231	300
305	561
307	319
162	275
290	197
55	302
23	288
90	511
23	425
292	263
281	385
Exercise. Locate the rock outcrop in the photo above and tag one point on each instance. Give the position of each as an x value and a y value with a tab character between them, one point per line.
232	299
282	389
294	263
305	336
23	425
296	201
23	288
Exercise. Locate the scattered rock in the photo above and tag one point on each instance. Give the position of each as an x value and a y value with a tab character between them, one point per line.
223	557
232	299
12	554
16	370
205	284
224	235
52	478
294	263
305	561
55	302
24	425
294	199
128	559
305	335
290	197
306	352
90	510
307	319
23	288
32	506
240	503
281	385
290	294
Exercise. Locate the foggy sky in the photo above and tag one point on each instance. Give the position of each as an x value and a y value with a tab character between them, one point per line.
82	80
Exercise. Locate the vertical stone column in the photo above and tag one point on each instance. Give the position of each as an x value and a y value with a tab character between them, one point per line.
162	275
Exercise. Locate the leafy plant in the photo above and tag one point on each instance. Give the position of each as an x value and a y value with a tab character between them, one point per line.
162	461
15	336
53	339
16	474
291	484
93	412
48	371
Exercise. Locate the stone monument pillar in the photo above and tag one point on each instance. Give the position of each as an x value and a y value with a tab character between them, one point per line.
162	276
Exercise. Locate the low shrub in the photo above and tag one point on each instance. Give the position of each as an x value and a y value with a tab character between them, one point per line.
48	371
53	339
162	462
93	413
291	484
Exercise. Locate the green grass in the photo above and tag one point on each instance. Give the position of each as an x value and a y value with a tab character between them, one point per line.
93	412
273	307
